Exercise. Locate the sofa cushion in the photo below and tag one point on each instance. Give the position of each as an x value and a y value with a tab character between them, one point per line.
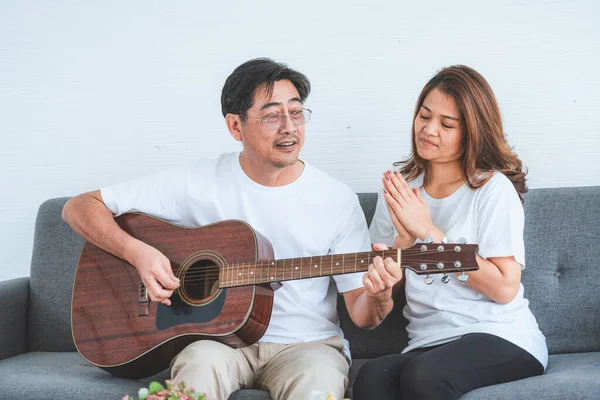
250	394
60	375
569	376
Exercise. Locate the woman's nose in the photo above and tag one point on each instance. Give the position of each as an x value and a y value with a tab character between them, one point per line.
429	128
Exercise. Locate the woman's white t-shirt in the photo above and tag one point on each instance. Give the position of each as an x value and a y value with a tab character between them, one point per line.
492	217
314	215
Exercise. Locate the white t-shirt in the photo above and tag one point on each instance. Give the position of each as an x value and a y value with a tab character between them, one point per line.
492	217
314	215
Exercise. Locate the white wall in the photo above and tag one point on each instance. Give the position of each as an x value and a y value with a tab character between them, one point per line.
92	93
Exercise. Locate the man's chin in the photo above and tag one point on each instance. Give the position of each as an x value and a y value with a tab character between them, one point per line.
285	162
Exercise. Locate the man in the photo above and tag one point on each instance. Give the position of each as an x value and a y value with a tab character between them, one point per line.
301	210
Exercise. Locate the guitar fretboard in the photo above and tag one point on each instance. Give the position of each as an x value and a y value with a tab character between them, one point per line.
257	272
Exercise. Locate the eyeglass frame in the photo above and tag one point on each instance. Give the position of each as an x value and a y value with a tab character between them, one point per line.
264	120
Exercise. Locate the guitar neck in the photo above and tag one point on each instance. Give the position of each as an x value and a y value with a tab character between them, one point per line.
266	271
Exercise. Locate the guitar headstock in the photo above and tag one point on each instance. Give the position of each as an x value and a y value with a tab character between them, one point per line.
440	258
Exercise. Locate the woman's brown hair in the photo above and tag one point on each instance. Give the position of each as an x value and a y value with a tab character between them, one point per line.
485	148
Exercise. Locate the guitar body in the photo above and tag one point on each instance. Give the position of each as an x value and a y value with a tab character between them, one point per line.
117	328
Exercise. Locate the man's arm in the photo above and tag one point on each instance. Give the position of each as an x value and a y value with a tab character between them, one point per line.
368	306
89	217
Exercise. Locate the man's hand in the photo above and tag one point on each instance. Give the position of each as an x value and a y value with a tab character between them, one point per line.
156	273
369	305
382	276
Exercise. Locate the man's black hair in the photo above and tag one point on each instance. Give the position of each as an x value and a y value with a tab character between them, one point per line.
239	89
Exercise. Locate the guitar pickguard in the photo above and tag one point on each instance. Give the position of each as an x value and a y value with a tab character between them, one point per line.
180	312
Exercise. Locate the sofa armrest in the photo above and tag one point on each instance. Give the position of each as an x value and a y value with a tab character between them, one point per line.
14	300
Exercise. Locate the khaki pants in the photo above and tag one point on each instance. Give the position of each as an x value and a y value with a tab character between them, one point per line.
287	371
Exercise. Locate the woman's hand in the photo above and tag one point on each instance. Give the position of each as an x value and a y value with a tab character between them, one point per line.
404	239
409	211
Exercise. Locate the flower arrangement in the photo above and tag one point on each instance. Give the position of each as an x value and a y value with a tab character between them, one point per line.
178	391
174	391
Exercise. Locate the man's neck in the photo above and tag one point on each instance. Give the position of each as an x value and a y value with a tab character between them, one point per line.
269	175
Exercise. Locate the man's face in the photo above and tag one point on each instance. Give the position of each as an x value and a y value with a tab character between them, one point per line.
273	146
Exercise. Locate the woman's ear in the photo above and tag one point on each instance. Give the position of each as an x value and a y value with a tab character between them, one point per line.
234	124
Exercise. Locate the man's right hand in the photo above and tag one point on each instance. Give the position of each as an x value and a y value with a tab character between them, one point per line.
156	272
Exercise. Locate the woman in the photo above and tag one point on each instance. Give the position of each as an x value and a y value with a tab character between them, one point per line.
461	180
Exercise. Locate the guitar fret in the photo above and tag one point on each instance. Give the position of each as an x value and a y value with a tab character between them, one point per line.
321	267
355	255
331	267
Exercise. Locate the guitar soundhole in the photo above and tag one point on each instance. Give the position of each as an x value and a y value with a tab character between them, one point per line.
200	283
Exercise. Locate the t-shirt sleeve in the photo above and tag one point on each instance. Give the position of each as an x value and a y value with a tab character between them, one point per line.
382	229
162	195
501	221
353	237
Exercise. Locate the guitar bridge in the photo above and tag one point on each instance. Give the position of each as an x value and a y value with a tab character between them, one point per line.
143	301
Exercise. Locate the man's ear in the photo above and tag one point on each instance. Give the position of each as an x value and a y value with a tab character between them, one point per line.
234	124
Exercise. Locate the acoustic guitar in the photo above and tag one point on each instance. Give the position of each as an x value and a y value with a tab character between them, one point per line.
226	272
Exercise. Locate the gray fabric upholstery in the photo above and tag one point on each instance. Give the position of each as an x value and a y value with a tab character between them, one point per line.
562	274
14	298
560	281
569	376
60	375
56	250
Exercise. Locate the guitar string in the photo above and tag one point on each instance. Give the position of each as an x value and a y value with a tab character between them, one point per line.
215	269
203	270
203	274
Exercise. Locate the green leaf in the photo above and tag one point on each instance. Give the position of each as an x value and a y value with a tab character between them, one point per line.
155	387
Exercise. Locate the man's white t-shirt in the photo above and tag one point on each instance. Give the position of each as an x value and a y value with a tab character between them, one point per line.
492	217
314	215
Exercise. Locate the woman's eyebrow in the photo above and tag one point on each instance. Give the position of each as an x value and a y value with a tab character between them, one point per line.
443	116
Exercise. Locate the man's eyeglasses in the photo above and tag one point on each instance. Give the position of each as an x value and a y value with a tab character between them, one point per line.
276	121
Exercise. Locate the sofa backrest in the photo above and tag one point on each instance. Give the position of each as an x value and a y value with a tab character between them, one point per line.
562	273
561	277
56	250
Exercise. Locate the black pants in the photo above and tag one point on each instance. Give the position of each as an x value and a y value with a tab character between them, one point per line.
445	372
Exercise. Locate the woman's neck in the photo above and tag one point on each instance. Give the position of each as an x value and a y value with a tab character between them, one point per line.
444	179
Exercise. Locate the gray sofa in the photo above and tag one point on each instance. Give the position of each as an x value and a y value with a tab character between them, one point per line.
562	282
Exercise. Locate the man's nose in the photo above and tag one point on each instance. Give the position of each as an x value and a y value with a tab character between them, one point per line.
288	125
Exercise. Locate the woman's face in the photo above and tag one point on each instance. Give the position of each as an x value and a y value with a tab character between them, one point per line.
438	132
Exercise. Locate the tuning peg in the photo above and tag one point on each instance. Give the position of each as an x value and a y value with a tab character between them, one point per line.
461	240
428	239
428	280
463	277
445	279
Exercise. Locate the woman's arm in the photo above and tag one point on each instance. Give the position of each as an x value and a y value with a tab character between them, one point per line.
498	278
